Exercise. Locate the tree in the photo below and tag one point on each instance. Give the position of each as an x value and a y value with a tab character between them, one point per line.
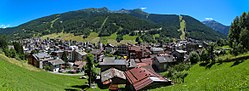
194	57
64	58
234	32
204	56
90	68
244	39
238	32
3	42
19	50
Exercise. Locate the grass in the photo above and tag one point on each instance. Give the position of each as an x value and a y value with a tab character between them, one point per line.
182	28
93	38
18	76
219	77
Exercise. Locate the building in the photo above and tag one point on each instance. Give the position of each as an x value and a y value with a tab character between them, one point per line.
38	59
138	52
113	76
161	63
156	50
113	63
122	50
80	55
140	78
97	54
179	54
54	64
109	48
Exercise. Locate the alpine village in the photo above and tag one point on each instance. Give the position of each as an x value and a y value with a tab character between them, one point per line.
97	49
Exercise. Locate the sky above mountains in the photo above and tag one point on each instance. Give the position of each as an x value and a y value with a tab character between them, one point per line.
16	12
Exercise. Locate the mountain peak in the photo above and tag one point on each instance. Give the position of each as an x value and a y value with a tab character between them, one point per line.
103	9
216	26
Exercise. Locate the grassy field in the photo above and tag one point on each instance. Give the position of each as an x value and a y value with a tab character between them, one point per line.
93	38
182	28
227	76
19	76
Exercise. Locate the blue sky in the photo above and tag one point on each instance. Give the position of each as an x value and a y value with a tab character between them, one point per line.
16	12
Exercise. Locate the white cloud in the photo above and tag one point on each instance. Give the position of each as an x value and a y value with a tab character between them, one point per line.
209	19
143	8
4	26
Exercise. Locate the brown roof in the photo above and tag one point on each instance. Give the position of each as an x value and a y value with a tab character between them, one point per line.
138	48
80	64
141	77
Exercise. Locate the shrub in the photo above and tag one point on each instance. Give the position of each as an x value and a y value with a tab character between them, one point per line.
194	57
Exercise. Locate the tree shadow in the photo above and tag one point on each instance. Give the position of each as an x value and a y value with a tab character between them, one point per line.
210	65
204	64
76	87
237	63
100	85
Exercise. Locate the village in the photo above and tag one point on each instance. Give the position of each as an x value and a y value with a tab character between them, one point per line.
136	67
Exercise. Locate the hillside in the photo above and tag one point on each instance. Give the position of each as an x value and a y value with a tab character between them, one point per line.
230	76
105	23
217	26
18	76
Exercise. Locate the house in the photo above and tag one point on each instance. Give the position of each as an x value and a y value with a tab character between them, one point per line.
38	59
78	65
161	63
97	54
109	48
119	64
156	50
179	54
122	50
140	78
138	52
54	64
113	76
80	55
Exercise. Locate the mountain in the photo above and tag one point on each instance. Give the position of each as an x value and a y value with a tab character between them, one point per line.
217	26
106	22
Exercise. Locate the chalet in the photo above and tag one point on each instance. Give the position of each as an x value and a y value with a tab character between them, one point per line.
38	59
54	64
78	65
137	52
179	54
156	50
79	55
97	54
162	62
109	48
113	76
113	63
140	78
122	50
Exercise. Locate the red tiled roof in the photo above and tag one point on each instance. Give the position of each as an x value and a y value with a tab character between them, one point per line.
140	77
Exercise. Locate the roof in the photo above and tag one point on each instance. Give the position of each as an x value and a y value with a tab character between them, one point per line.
141	77
42	55
181	51
82	53
131	63
56	61
111	73
156	49
96	51
80	64
106	59
164	59
138	48
113	62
